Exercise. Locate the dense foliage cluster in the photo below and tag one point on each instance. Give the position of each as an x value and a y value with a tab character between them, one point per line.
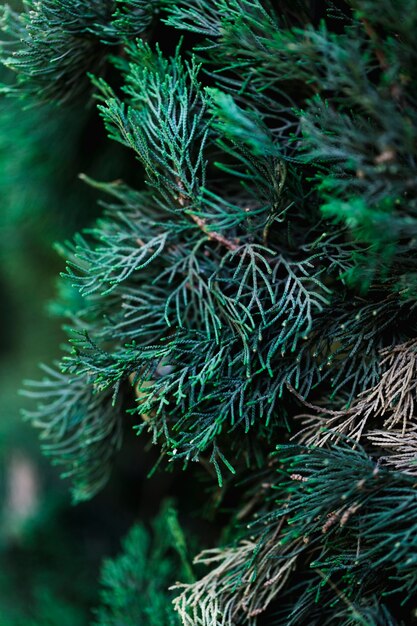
250	304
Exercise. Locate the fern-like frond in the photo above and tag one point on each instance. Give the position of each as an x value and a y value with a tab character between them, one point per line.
80	429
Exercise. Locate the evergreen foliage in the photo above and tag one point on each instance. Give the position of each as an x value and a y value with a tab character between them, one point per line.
136	583
52	45
258	288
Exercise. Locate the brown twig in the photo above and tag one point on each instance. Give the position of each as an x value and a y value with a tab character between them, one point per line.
379	53
202	223
395	89
212	234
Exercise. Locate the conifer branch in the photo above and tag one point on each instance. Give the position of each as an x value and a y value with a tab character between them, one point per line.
259	286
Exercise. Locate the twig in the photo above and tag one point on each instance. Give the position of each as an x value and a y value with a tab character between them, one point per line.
202	224
212	234
379	53
395	89
343	597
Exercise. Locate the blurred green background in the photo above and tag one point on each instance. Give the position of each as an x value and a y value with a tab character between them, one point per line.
50	551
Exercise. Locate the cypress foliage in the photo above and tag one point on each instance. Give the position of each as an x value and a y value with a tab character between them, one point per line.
135	585
253	302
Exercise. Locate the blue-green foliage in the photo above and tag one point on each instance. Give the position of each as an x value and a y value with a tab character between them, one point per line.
220	287
52	45
81	429
334	539
263	272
